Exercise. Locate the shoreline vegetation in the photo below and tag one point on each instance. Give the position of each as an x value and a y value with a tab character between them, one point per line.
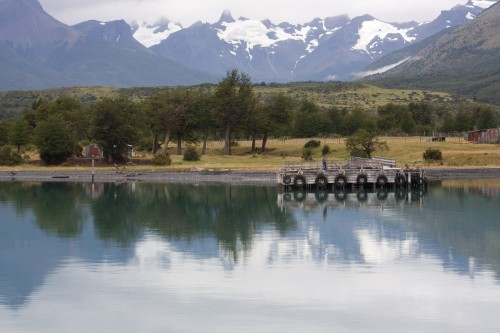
461	160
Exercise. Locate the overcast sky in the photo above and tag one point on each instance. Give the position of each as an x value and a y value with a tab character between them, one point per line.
294	11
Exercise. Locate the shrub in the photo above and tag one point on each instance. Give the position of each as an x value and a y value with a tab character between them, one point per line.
161	159
312	144
325	150
307	154
9	157
432	154
191	154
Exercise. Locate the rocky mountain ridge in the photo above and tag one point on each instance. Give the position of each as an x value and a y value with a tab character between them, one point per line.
37	51
464	60
334	48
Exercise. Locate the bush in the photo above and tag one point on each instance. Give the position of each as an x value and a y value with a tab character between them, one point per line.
432	154
312	144
191	154
307	154
325	150
9	156
161	159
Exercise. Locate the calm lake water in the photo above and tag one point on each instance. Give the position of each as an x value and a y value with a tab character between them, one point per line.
186	258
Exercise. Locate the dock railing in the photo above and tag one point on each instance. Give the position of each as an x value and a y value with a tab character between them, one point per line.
311	165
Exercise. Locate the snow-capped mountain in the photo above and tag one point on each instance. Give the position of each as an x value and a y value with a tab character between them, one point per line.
38	51
334	48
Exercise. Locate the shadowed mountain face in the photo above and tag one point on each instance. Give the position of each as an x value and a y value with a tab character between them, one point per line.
37	51
26	25
118	32
465	60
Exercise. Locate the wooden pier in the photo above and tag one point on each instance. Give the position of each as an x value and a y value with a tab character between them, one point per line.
357	172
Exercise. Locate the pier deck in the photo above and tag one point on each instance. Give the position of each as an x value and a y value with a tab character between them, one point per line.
357	172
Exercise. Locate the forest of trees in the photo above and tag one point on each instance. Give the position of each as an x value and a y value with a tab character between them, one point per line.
231	111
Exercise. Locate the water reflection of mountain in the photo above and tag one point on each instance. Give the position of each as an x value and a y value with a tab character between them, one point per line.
43	225
29	254
54	222
461	229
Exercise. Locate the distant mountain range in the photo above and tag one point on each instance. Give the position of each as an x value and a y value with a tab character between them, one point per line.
37	51
465	60
334	48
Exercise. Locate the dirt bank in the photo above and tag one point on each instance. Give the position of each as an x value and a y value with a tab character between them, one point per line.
201	176
244	177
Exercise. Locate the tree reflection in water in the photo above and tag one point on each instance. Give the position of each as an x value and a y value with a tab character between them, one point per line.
122	213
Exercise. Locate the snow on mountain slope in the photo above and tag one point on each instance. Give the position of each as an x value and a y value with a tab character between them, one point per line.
334	47
482	3
471	10
375	30
152	34
256	33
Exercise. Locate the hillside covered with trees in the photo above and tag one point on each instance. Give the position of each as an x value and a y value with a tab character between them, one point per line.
150	119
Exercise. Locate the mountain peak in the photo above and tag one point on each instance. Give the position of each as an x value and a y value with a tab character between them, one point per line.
33	3
118	32
25	23
226	17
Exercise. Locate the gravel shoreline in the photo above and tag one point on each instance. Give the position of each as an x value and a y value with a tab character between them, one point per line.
242	177
188	177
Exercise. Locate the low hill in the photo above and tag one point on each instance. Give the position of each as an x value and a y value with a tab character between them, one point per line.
337	94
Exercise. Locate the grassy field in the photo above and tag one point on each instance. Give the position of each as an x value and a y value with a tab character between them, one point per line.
356	95
406	151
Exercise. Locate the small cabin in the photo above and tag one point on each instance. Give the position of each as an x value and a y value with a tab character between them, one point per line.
491	135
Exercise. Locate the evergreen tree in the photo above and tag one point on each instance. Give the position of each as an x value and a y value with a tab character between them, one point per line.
463	121
310	121
448	124
4	133
116	125
53	140
486	119
234	100
19	134
277	117
166	112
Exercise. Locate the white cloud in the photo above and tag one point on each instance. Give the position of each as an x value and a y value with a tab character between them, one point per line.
165	290
380	69
293	11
